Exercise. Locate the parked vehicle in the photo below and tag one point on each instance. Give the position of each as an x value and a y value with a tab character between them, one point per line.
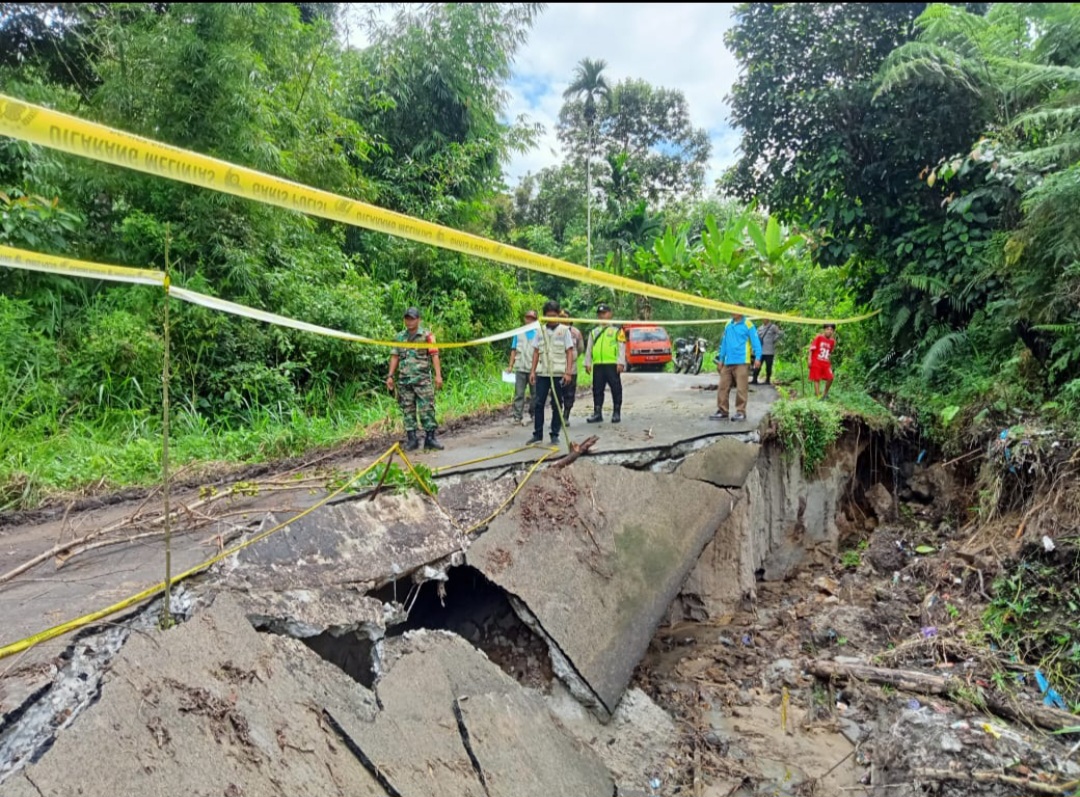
689	355
647	346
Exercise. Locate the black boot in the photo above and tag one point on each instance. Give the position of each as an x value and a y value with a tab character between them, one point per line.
596	416
411	443
616	415
431	443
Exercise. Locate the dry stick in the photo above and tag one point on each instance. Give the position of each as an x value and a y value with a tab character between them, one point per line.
61	548
576	450
382	479
921	683
961	457
837	764
166	605
1033	786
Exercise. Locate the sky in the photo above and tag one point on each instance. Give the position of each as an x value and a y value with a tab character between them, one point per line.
673	45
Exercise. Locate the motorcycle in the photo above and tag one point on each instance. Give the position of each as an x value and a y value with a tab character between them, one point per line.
689	355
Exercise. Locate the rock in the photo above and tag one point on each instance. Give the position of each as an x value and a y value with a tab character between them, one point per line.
783	671
712	738
950	744
851	730
922	489
886	552
881	501
827	585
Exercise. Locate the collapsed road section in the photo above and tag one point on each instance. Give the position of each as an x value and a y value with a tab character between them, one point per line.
401	657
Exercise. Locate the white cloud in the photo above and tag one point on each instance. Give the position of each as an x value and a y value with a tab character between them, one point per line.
677	46
674	45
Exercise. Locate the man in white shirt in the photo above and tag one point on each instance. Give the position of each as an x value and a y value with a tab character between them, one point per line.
521	352
552	365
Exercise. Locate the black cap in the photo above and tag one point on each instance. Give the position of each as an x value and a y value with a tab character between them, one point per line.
412	312
603	308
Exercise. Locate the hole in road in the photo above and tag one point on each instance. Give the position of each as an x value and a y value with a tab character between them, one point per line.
474	608
351	652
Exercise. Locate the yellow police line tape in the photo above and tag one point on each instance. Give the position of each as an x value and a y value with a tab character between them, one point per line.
18	258
133	600
70	134
87	619
33	261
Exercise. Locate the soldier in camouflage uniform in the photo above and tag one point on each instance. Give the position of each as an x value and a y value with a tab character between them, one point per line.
415	394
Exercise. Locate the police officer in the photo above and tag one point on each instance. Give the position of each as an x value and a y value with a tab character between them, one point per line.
606	352
415	394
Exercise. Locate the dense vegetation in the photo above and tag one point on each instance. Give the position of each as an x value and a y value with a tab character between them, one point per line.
921	160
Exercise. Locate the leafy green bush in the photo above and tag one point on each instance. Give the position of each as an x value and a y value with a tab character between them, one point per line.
29	366
119	361
807	428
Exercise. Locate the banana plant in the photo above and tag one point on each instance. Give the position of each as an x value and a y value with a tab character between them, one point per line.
770	245
673	254
725	248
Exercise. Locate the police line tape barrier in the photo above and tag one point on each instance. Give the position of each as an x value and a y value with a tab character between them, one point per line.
56	130
18	258
22	259
133	600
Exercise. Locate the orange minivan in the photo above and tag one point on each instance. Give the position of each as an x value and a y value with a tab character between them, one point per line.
647	347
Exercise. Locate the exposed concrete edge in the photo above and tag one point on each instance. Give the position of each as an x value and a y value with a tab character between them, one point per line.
564	668
29	730
510	466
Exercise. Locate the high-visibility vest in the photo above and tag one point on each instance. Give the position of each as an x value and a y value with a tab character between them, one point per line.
605	345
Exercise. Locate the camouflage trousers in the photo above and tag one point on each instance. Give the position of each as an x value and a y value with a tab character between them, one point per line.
417	398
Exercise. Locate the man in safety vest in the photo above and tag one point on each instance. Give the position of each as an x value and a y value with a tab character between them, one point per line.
739	342
606	352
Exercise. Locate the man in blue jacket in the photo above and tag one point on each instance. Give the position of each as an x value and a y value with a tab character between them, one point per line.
738	345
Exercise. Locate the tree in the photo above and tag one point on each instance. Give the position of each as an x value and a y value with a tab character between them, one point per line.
439	73
589	85
651	127
816	146
1019	64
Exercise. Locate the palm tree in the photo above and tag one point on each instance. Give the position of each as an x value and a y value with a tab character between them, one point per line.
589	85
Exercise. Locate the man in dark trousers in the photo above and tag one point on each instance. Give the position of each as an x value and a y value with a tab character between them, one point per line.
552	365
605	359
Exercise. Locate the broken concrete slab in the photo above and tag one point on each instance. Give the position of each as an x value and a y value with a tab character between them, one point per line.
724	463
423	741
209	708
302	613
597	554
19	786
361	542
635	745
520	752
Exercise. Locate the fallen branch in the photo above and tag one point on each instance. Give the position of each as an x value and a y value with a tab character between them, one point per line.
1032	786
923	684
576	450
238	489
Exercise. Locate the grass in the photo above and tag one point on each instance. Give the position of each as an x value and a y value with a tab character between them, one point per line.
122	448
808	426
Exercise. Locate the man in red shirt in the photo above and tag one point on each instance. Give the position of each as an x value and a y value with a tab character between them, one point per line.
821	360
